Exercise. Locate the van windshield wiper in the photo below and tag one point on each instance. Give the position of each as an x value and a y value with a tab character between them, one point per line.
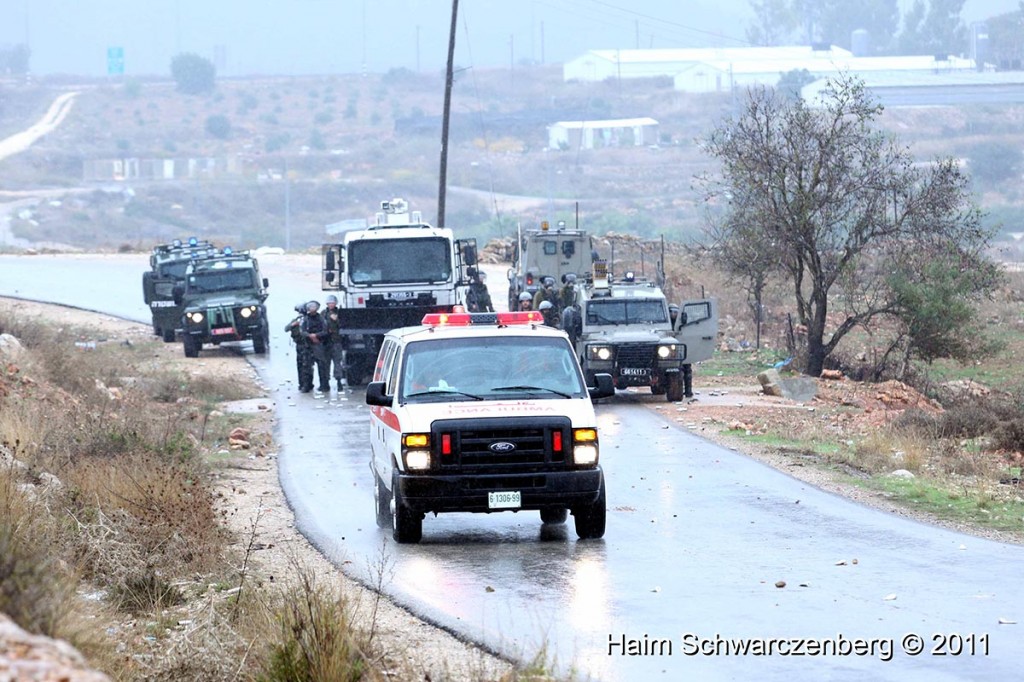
442	391
531	388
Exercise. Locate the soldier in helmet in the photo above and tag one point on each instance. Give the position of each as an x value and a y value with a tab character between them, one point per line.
303	357
547	292
567	295
335	341
525	301
479	299
309	331
550	313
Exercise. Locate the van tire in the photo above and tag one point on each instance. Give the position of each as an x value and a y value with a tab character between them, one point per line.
406	525
261	339
590	519
168	335
382	500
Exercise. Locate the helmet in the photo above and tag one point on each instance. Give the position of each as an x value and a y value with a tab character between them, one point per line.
570	277
332	299
545	305
312	307
549	281
525	296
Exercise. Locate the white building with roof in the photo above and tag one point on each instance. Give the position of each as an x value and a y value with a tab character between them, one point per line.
721	69
620	132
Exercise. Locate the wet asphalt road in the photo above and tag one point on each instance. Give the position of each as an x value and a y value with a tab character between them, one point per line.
697	538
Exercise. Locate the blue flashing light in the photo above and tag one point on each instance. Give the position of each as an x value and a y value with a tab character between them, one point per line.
228	251
192	241
176	243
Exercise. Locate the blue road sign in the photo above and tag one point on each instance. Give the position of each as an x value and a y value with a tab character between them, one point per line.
115	61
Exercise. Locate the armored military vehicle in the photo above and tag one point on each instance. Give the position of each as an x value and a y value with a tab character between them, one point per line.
222	299
389	272
547	253
167	264
626	328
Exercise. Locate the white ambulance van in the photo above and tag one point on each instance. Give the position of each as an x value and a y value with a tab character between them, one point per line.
484	412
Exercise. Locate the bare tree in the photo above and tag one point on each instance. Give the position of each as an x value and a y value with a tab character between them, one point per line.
843	204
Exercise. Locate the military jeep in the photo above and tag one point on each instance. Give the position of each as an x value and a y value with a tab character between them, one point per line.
222	299
167	264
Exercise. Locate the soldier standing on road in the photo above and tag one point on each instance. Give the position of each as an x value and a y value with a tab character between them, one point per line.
479	299
315	329
303	352
310	333
335	340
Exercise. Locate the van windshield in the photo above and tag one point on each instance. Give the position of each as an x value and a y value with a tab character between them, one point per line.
492	368
210	281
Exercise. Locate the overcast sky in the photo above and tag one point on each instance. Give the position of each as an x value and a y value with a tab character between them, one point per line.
348	36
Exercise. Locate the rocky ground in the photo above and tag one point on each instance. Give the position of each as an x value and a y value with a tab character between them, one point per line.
259	516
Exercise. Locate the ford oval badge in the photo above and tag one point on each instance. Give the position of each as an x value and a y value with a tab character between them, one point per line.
502	446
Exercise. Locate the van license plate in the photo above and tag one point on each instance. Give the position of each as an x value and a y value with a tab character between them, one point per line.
222	330
512	499
635	371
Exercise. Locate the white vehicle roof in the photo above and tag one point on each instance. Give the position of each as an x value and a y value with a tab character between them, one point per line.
476	330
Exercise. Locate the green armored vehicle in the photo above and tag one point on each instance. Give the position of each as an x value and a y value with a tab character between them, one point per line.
222	299
547	253
167	264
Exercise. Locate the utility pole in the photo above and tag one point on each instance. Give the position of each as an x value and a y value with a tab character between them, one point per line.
287	209
449	79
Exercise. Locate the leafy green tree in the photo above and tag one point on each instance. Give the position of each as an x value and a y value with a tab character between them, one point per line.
937	311
218	126
843	204
194	75
935	28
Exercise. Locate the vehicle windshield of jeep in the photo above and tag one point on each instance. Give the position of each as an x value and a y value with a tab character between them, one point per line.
175	269
627	311
212	281
500	368
400	261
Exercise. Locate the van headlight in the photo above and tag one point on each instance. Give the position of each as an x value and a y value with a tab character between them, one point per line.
600	352
584	447
248	311
417	460
194	318
417	451
584	455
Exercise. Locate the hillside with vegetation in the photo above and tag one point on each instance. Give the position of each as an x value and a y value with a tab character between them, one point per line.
274	160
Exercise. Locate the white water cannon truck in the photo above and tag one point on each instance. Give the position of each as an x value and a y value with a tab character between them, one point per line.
389	272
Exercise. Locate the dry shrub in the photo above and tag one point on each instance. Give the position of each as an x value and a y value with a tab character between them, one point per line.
314	639
885	450
36	589
1009	435
143	519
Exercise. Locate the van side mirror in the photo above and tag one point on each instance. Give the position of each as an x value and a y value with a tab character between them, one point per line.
469	254
266	282
375	394
605	387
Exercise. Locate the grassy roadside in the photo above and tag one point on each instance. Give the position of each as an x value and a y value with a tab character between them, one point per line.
958	464
114	533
